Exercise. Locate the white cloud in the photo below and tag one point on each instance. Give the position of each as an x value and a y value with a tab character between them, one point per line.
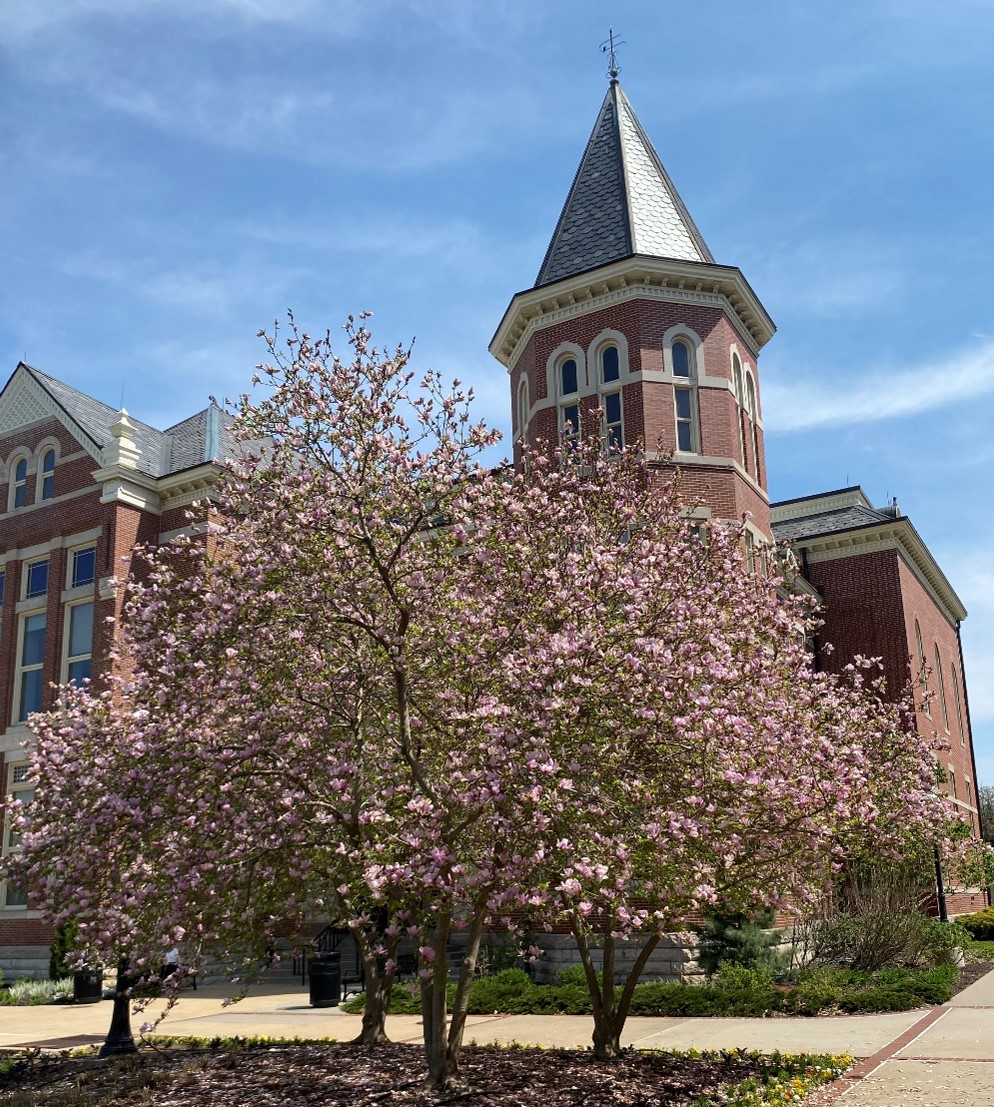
799	404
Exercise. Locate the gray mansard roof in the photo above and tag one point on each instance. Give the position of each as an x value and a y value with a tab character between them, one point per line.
205	436
622	202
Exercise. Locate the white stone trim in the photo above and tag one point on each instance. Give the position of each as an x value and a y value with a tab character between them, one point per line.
635	277
25	402
687	461
895	535
563	351
41	504
608	337
681	330
812	505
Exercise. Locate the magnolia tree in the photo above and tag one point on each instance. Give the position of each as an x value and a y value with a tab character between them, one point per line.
418	697
690	755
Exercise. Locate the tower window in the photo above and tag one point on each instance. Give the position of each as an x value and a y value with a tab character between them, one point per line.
567	377
753	417
610	402
569	409
684	398
523	407
614	437
739	405
47	477
681	359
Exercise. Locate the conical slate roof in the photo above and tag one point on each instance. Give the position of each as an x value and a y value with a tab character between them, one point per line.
622	202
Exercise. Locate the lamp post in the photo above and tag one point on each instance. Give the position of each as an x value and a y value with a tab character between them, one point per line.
940	887
119	1038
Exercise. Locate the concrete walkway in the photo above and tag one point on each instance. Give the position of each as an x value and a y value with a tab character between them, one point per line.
933	1057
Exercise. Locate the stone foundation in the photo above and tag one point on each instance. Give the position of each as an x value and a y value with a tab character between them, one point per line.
671	960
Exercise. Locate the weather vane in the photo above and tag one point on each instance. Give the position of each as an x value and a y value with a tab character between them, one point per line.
609	46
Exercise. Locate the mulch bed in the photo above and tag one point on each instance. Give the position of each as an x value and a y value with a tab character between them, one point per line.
389	1076
970	973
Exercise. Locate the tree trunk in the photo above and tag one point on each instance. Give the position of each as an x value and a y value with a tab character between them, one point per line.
457	1024
433	1010
610	1013
374	1015
379	985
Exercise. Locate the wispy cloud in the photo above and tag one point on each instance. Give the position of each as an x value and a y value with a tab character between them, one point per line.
800	403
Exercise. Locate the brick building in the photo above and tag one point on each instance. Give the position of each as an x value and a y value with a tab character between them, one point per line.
631	327
81	485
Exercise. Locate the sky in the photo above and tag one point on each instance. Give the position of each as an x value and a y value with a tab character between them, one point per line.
176	174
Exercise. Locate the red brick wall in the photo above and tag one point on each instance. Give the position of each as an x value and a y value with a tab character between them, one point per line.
649	405
871	603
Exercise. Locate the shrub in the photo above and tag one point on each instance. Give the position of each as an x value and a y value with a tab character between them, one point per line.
735	938
942	939
33	993
63	943
980	924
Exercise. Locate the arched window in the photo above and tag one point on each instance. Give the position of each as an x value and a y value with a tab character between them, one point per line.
685	397
753	416
19	483
46	477
567	377
739	405
922	671
942	689
683	359
610	401
523	408
959	708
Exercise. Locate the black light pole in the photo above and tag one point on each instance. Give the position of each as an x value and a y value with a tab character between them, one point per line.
119	1038
940	887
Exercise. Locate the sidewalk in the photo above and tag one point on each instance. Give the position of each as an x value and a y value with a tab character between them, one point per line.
933	1057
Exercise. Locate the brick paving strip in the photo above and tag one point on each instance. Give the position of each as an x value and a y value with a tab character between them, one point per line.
869	1065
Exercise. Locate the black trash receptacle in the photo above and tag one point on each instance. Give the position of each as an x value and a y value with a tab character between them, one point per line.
88	985
325	970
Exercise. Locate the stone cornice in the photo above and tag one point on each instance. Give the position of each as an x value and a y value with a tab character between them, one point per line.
636	277
806	506
894	534
123	484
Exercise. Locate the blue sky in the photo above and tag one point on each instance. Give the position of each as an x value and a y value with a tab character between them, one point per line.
178	173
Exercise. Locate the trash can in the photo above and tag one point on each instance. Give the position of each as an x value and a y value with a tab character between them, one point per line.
325	970
88	985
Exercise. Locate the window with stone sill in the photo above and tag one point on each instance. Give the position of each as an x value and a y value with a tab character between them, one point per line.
959	708
922	672
79	642
29	684
942	689
36	579
82	566
20	788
